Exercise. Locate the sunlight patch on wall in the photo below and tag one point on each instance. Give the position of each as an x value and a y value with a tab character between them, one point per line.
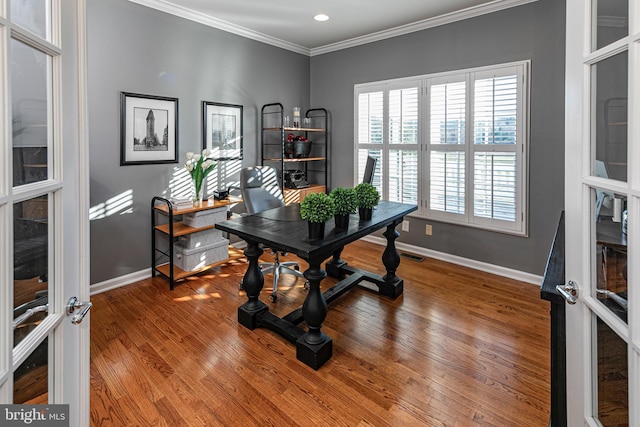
120	204
224	175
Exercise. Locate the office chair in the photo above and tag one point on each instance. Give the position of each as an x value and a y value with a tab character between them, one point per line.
369	170
260	191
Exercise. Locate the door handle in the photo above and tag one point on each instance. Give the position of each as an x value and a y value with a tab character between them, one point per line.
569	292
75	303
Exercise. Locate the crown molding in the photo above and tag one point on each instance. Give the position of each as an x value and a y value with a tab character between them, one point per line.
437	21
471	12
182	12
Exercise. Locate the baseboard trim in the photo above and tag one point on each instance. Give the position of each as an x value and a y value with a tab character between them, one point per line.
118	282
465	262
521	276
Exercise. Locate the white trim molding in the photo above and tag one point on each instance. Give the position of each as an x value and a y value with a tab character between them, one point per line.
192	15
521	276
117	282
510	273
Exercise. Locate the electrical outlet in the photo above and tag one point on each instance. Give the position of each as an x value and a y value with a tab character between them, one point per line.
405	226
428	230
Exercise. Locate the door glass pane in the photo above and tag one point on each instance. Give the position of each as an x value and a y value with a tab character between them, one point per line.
29	113
613	377
32	15
609	110
611	22
610	245
31	379
30	265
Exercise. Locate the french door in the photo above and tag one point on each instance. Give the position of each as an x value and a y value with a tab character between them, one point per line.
44	357
602	204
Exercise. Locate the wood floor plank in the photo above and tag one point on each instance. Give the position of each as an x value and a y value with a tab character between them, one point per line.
460	347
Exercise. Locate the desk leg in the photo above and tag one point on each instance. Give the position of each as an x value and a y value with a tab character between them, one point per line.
314	348
336	263
252	284
393	285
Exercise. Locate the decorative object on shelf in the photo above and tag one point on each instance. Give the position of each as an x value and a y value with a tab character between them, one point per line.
289	146
222	130
148	129
345	202
367	197
296	117
301	147
317	209
199	166
221	194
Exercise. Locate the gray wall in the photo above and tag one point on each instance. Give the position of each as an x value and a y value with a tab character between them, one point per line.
534	31
137	49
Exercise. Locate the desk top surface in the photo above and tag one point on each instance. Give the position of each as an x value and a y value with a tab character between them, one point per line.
283	229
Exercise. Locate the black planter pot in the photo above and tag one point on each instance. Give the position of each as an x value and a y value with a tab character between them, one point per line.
301	149
316	230
342	221
365	214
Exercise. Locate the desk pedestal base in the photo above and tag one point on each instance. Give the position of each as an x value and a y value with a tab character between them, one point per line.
314	355
249	318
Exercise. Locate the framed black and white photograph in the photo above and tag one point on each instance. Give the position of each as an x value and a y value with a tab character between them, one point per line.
222	130
148	129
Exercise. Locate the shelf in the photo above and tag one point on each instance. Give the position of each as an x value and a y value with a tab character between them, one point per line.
173	228
206	204
287	129
179	273
296	159
179	229
275	146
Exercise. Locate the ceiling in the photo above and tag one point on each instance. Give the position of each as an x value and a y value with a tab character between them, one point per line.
290	24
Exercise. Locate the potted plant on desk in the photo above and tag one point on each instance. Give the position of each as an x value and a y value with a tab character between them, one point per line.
346	202
317	208
367	197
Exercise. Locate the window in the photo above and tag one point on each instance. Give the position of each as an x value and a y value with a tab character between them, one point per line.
453	143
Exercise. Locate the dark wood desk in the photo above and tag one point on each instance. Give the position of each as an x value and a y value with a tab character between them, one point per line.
282	229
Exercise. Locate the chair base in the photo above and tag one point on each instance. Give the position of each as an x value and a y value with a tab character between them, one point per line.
277	268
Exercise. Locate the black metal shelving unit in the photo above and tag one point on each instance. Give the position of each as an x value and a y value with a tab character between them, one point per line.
274	134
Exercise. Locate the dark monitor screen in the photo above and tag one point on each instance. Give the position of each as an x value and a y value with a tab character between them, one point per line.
369	169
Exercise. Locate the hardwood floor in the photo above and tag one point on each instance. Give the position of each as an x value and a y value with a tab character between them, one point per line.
458	348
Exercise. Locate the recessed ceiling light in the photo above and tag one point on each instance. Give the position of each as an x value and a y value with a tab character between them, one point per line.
321	17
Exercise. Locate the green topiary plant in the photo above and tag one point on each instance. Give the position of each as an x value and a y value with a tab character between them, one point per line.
317	207
367	195
345	200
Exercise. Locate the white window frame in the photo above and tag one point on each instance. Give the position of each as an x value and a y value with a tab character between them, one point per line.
522	69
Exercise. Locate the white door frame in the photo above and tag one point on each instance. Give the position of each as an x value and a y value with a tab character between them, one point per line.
579	181
68	190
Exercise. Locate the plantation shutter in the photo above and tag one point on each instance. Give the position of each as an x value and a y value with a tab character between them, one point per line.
403	157
495	128
447	158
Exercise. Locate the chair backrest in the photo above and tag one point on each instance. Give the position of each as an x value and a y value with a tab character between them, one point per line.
260	189
369	170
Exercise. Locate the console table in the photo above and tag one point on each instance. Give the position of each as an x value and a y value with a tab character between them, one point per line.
282	229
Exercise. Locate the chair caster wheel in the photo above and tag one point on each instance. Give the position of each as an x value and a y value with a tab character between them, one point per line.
273	298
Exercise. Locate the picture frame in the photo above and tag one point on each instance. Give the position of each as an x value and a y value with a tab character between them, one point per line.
222	130
148	129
